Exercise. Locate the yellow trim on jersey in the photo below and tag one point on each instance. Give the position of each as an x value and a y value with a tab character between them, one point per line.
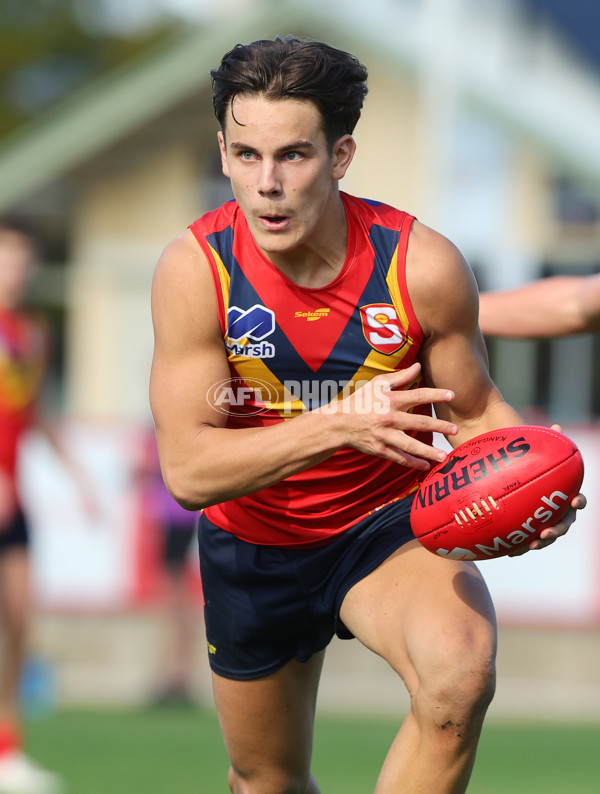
391	280
281	400
224	279
377	363
254	369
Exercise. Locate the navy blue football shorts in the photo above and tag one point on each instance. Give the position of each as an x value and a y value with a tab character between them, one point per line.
15	534
265	605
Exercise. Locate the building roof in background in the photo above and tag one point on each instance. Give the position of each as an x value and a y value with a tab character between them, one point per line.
126	100
109	108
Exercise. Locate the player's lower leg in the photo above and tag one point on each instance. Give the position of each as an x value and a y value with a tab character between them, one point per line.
14	623
435	749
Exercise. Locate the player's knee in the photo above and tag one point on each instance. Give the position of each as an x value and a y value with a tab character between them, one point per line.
477	688
458	697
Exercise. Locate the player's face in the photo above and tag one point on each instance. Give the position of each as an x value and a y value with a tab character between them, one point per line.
16	268
283	174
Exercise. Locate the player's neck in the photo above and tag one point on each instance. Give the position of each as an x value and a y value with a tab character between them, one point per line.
318	260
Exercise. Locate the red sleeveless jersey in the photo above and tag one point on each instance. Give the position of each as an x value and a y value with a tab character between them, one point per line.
292	349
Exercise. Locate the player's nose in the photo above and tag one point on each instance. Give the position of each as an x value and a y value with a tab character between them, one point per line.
269	182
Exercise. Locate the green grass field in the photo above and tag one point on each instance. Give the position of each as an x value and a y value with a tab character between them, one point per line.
173	751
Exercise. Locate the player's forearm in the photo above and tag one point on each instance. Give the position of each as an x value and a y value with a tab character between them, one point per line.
494	415
510	314
549	307
223	464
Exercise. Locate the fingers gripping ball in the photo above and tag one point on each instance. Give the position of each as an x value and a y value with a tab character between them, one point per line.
496	492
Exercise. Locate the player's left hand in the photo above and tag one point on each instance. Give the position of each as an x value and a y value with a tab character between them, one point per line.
549	535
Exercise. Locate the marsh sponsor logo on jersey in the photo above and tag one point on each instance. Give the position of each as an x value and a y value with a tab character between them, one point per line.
311	316
382	328
247	330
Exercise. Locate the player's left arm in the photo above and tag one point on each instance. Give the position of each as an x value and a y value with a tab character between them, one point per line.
445	299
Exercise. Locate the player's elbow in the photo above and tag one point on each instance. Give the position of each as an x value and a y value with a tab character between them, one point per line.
184	488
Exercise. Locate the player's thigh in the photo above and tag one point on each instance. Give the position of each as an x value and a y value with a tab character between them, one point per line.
268	722
424	614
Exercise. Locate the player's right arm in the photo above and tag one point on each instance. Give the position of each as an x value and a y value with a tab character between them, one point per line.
202	461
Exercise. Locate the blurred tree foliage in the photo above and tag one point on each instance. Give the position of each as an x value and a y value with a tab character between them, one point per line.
48	48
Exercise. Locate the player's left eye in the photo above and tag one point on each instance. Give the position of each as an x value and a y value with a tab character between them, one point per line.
292	156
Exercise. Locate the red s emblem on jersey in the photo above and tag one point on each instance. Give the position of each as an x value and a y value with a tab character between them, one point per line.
382	328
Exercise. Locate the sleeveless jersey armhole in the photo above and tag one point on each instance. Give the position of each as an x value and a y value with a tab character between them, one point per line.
401	273
219	274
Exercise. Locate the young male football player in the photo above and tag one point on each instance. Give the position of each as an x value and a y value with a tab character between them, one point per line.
302	337
23	358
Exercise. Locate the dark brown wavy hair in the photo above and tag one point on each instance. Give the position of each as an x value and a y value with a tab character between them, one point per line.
293	68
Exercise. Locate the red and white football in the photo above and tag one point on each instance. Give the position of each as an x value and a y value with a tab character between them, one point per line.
496	492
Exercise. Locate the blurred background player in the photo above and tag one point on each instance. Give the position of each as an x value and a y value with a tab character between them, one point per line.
554	306
180	594
24	351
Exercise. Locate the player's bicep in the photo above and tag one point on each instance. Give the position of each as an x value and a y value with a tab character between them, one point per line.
445	298
189	356
181	388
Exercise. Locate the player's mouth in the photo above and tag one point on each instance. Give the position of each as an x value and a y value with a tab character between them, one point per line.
274	222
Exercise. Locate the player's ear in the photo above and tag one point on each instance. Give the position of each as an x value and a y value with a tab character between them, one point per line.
343	152
223	150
